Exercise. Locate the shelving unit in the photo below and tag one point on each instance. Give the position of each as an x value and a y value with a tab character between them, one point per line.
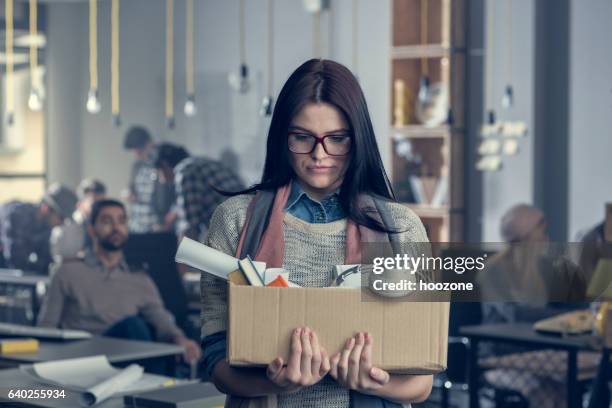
439	148
421	132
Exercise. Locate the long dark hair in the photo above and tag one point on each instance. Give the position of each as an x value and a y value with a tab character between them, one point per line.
316	81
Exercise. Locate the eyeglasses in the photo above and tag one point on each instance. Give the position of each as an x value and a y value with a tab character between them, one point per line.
334	145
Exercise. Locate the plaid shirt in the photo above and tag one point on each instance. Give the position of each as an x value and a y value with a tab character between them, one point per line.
152	198
194	179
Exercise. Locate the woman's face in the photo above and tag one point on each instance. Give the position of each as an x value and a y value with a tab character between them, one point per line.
318	172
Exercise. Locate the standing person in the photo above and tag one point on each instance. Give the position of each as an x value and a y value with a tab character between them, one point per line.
149	199
197	182
25	228
69	240
322	179
88	192
103	295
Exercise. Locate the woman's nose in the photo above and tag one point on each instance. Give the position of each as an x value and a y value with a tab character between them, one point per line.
318	152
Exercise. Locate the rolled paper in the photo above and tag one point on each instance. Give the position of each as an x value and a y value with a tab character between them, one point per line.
109	387
205	258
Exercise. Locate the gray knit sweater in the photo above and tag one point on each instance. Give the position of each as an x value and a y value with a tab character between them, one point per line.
311	251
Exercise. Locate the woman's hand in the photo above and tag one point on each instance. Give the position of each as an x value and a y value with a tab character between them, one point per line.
308	362
352	367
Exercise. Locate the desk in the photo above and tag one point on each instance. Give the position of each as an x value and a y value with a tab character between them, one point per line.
9	379
21	295
524	335
116	350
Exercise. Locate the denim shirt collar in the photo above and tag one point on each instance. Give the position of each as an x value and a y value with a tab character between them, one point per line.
301	205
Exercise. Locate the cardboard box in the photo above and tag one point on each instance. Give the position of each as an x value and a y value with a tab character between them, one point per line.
409	337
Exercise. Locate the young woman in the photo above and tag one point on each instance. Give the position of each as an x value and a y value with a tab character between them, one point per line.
323	188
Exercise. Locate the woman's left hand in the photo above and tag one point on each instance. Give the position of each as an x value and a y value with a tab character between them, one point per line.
352	367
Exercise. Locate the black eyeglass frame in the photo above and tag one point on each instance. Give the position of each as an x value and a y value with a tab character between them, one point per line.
320	140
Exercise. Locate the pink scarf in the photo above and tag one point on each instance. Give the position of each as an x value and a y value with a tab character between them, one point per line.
271	249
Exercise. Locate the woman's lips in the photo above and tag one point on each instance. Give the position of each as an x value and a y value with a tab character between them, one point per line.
319	169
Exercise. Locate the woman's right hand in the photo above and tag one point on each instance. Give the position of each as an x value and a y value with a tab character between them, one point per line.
308	362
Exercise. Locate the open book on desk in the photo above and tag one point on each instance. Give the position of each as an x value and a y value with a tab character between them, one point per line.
96	379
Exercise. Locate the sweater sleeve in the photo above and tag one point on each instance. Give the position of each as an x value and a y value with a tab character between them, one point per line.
214	349
411	240
411	228
223	234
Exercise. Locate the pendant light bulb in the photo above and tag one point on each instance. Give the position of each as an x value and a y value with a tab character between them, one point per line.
508	98
240	82
190	106
93	103
35	101
266	106
245	84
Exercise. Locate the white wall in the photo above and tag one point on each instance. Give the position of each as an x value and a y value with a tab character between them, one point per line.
591	113
83	145
590	132
65	101
225	119
514	183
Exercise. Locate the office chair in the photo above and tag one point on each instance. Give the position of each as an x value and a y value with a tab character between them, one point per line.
455	377
154	252
462	313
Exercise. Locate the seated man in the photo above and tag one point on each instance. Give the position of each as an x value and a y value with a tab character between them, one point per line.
524	283
102	295
529	271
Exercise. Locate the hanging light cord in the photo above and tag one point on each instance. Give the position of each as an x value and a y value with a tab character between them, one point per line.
489	57
242	34
169	58
189	67
115	57
508	42
8	12
424	33
93	44
355	35
270	46
33	46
